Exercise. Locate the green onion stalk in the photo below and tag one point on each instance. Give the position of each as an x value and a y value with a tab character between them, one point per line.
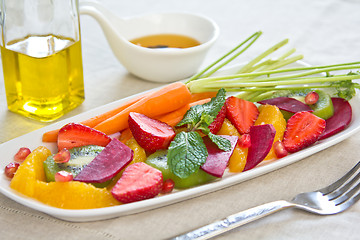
263	74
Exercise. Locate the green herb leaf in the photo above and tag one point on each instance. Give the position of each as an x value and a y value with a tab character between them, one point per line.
204	115
187	152
213	107
192	116
222	143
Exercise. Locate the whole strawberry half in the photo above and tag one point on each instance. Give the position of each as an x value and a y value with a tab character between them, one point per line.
215	126
138	182
76	135
302	130
151	134
241	113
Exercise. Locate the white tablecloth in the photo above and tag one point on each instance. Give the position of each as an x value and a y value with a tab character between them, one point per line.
325	32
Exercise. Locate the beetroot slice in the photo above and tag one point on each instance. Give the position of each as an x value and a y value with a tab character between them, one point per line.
218	159
262	137
287	104
341	118
107	163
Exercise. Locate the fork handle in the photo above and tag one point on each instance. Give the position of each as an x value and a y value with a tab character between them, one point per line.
235	220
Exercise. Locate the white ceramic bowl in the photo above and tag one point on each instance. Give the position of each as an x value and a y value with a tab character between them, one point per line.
158	65
167	64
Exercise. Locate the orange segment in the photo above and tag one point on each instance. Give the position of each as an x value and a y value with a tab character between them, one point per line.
238	158
139	152
270	114
29	171
228	129
74	195
30	181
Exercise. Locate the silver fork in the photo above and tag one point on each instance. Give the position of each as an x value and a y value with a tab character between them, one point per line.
329	200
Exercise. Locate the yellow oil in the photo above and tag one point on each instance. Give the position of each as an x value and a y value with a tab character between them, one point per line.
43	76
165	41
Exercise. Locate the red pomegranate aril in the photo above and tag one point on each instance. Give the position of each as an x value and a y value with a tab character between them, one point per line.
11	169
245	141
279	149
21	155
168	186
63	176
63	156
311	98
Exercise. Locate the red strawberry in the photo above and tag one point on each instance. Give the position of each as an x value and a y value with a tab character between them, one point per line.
151	134
138	182
302	130
215	126
76	135
241	113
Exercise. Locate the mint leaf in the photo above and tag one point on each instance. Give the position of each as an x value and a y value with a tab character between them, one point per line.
204	114
192	116
213	107
187	152
222	143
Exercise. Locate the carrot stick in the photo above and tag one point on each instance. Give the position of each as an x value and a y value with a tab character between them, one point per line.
125	135
51	136
176	116
92	122
199	96
167	99
171	118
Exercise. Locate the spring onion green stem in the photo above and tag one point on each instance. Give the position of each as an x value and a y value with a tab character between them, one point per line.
253	38
263	75
248	66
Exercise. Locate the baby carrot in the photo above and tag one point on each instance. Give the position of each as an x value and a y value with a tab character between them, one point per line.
125	135
199	96
167	99
51	136
175	117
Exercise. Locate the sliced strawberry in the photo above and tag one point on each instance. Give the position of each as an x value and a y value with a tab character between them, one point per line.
302	130
151	134
241	113
138	182
215	126
76	135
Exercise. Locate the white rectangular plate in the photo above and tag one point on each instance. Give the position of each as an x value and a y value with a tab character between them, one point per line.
33	140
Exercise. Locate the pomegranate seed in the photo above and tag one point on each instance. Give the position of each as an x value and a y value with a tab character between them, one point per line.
279	149
21	155
11	169
63	176
245	141
311	98
63	156
168	186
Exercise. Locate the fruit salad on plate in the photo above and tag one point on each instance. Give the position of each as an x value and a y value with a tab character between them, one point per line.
187	134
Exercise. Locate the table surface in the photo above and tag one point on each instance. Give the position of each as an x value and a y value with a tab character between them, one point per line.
325	32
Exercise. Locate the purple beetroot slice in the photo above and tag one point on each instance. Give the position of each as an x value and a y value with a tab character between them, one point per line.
262	138
109	162
217	159
287	104
341	118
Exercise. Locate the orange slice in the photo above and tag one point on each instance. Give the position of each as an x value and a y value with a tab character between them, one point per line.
270	114
30	181
238	158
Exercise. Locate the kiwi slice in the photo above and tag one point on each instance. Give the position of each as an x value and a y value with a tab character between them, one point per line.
80	157
158	160
323	108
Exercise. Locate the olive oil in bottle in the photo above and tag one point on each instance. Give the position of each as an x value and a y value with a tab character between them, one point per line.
43	76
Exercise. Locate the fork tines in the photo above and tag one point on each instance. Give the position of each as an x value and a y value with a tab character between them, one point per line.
346	189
